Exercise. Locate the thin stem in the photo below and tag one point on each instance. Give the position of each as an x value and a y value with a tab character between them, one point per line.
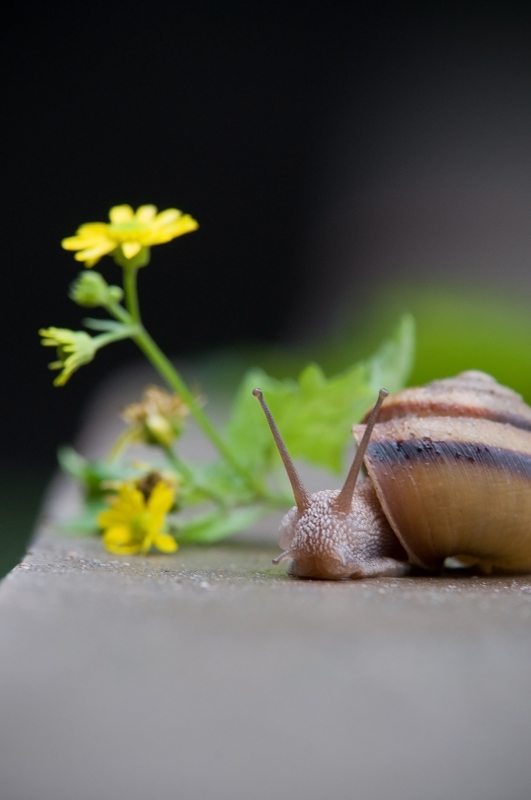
127	332
166	369
131	296
124	439
174	380
119	313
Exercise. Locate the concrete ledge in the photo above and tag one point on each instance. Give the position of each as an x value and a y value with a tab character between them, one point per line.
210	674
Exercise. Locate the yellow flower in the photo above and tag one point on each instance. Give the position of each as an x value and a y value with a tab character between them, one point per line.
134	522
128	233
74	348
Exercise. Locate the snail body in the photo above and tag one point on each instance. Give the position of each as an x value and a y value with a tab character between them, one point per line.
448	475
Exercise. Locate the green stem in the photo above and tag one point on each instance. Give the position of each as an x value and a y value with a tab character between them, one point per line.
127	332
166	369
131	296
128	436
174	380
117	311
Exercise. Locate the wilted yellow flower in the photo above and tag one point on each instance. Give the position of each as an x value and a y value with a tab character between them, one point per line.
128	232
74	348
158	418
134	522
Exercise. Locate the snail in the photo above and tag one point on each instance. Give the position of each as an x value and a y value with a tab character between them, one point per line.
448	475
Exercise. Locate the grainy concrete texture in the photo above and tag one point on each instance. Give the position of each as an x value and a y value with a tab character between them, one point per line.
210	675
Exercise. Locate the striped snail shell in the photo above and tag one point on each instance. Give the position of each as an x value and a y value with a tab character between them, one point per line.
449	475
451	466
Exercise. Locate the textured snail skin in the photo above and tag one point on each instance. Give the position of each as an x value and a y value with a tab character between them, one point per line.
330	545
449	468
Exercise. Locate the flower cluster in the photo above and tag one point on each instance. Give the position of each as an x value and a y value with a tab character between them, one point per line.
128	237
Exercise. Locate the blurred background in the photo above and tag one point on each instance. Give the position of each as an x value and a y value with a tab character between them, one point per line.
346	162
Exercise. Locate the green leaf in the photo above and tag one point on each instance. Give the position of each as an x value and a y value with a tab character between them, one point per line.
315	414
91	474
391	366
247	433
221	480
71	462
217	525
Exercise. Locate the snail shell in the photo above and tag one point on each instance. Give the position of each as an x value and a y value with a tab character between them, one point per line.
451	466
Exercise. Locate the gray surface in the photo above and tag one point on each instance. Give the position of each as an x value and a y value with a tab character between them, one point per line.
210	674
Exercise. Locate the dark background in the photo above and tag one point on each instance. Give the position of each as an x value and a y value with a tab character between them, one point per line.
215	108
258	118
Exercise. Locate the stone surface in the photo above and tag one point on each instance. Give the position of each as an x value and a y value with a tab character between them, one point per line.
211	675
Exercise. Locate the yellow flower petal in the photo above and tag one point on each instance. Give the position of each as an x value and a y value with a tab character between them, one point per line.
118	535
184	224
126	507
111	517
119	539
121	550
93	254
86	235
131	499
130	249
119	214
92	230
166	218
70	243
161	499
165	543
145	213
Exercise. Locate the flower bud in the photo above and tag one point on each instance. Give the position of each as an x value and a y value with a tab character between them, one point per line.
159	429
90	289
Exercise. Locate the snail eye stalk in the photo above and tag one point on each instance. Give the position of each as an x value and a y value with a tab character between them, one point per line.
302	498
343	501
